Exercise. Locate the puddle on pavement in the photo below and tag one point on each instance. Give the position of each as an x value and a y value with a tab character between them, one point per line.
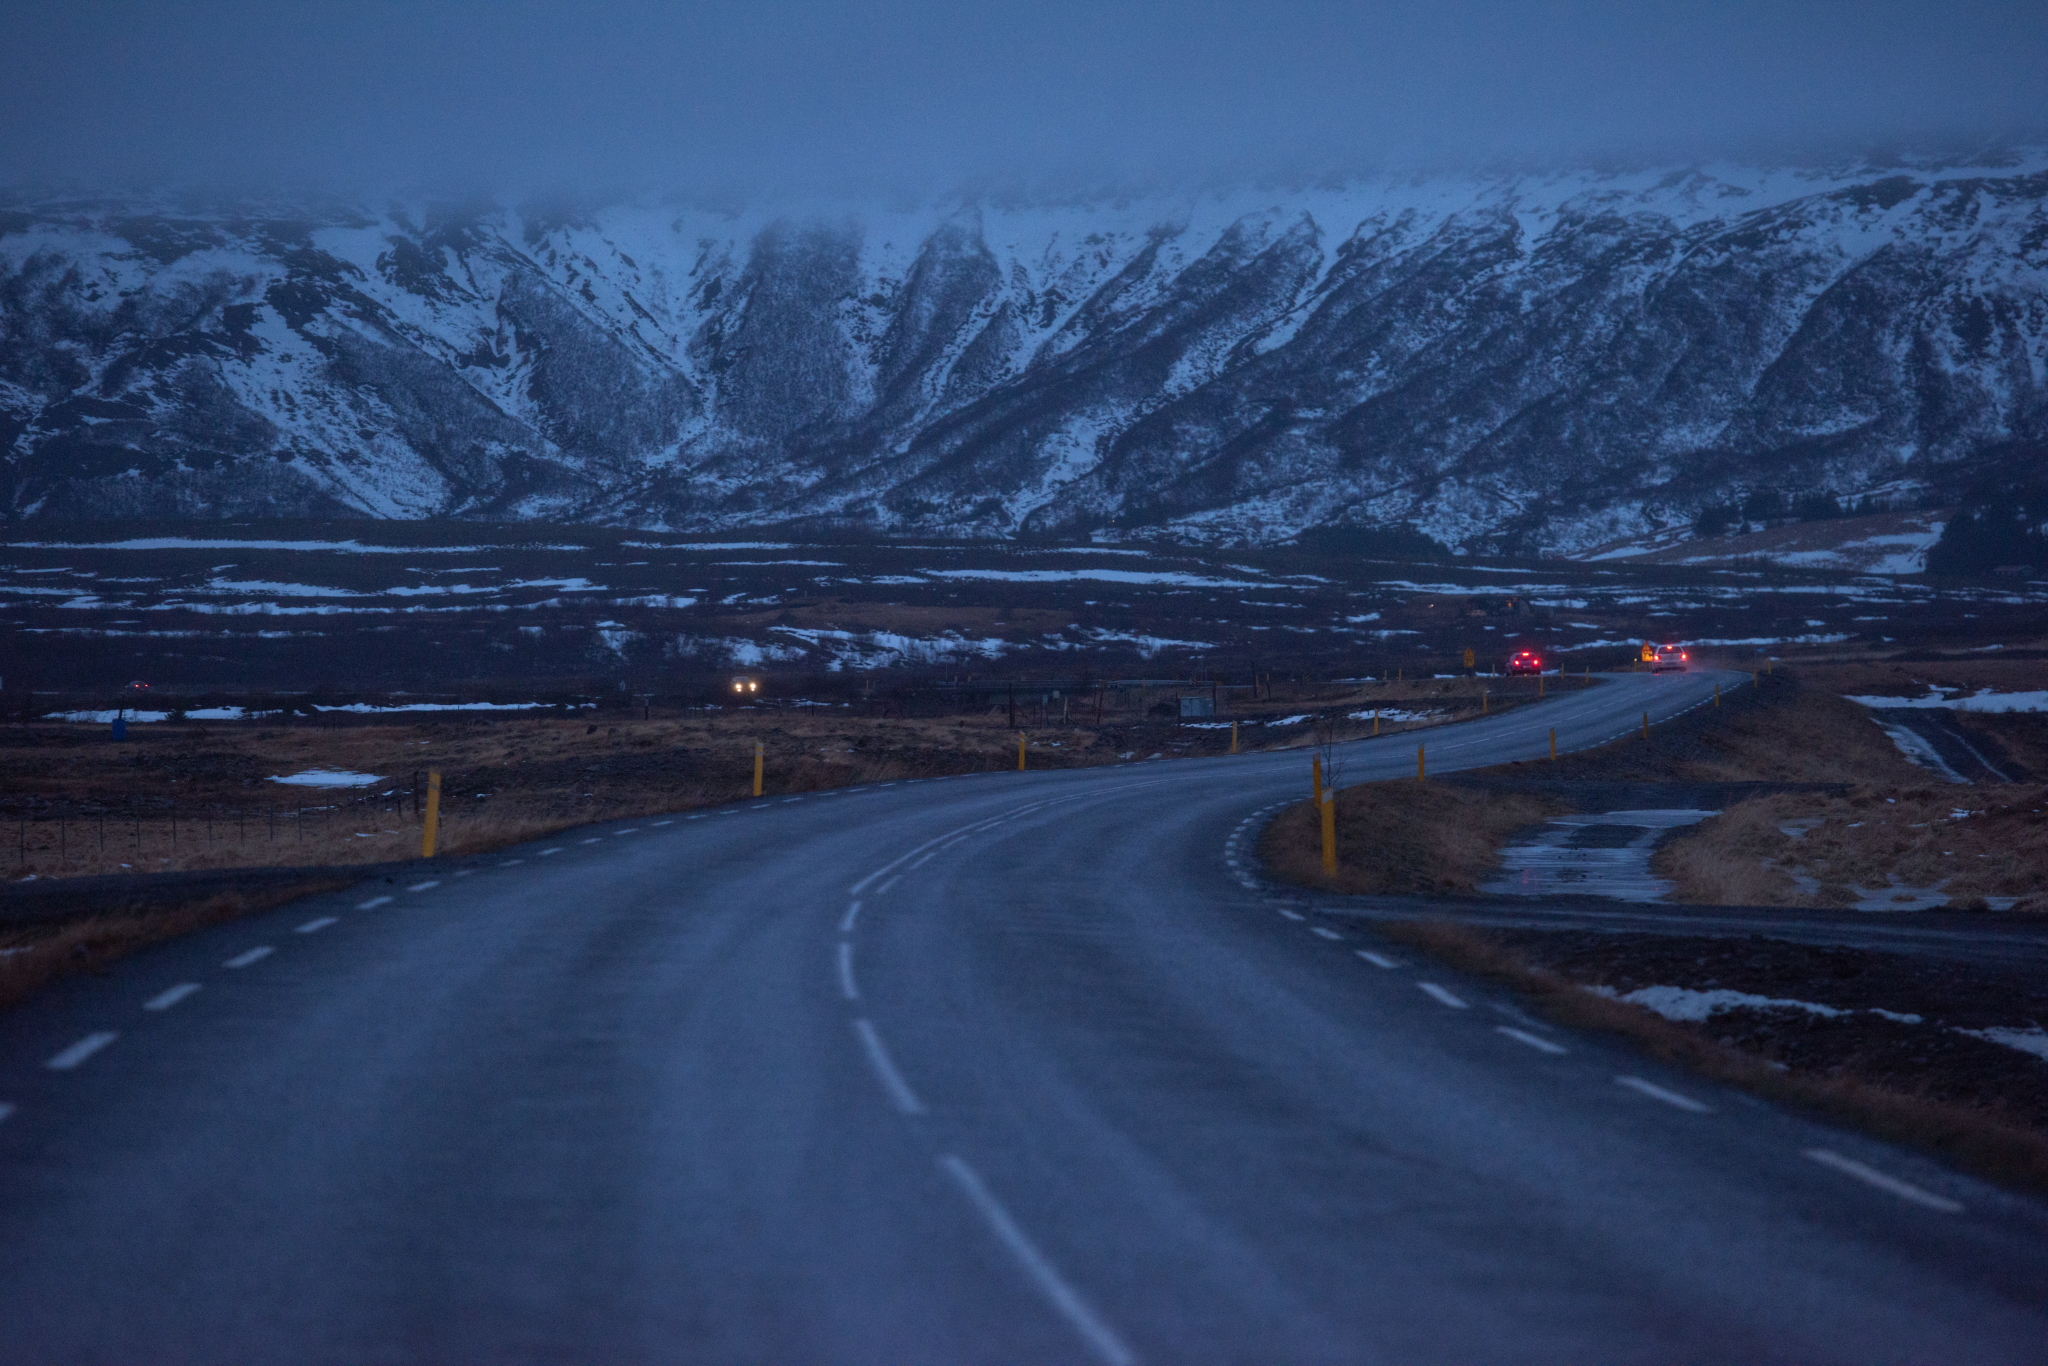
1603	853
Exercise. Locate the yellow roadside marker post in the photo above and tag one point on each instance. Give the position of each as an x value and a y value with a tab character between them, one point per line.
433	826
1646	725
1717	694
759	754
1553	744
1539	685
1330	835
1375	723
1233	737
1020	751
1421	774
1482	699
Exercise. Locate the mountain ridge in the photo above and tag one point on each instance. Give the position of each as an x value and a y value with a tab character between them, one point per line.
1530	364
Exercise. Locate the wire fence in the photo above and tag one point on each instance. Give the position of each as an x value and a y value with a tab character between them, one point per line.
65	837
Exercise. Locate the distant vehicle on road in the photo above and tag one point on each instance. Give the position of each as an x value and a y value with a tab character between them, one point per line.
746	685
1669	657
1526	662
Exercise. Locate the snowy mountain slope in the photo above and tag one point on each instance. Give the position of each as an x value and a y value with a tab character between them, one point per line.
1540	363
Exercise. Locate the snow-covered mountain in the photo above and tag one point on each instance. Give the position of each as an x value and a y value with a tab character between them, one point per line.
1534	363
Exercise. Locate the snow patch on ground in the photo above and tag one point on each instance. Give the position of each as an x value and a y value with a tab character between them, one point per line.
327	777
1983	700
1683	1003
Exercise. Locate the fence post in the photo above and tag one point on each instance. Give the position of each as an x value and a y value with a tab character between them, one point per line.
433	826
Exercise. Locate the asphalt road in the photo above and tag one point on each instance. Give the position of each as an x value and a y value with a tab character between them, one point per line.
1011	1068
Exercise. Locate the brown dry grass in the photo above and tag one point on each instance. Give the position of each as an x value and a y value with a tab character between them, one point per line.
1402	837
199	795
1971	1139
35	955
1742	857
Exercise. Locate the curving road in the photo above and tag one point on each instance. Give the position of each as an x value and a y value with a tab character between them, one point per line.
1011	1068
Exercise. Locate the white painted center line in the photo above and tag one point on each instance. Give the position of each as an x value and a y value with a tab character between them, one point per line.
373	903
887	885
315	926
1535	1041
545	852
1293	915
846	986
846	921
1101	1339
899	1090
243	960
80	1051
166	999
1327	934
1444	996
512	863
1905	1190
1656	1092
428	885
1378	960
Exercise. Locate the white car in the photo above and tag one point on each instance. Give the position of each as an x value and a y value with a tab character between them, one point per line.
1669	657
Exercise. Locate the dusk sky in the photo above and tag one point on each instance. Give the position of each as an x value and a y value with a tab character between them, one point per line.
781	95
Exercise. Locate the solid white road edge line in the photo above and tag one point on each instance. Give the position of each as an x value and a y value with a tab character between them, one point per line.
243	960
846	986
164	1000
852	914
1905	1190
80	1051
373	903
899	1090
1656	1092
1378	960
315	926
1101	1339
1443	996
1535	1041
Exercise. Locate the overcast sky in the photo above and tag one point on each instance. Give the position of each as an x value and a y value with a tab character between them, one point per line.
772	95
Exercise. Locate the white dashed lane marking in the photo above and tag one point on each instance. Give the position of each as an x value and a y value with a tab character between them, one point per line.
1905	1190
1327	934
846	986
166	999
1443	996
892	1081
1535	1041
659	824
1378	960
594	839
846	921
1656	1092
1292	915
1075	1310
545	852
243	960
80	1051
428	885
512	863
373	903
315	926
